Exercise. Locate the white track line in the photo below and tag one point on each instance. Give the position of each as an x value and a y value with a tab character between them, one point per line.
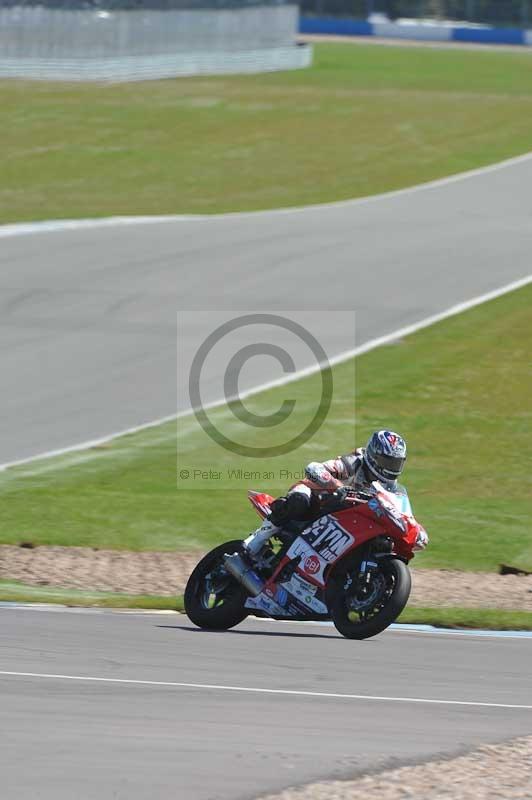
55	226
256	690
372	344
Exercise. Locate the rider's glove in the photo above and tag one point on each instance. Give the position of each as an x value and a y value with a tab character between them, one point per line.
342	492
331	502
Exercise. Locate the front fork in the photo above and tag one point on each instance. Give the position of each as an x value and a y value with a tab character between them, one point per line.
367	566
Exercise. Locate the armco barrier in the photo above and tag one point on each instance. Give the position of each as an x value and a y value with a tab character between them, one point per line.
341	26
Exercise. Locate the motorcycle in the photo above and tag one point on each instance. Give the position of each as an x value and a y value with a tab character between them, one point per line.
349	565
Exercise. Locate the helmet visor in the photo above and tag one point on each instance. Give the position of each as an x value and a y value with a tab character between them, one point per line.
391	466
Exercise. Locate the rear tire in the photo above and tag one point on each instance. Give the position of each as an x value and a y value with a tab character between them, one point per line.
214	600
392	584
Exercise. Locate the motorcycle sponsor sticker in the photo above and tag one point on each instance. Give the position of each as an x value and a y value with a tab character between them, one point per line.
304	593
328	538
393	514
311	565
300	586
300	548
375	506
277	594
316	605
265	604
281	595
296	610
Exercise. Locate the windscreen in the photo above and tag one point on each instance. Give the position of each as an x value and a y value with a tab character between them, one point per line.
398	496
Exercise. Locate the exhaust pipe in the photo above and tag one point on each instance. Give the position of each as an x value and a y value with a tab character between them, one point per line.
244	574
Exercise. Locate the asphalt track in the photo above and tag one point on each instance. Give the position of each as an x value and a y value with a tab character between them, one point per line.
137	737
88	317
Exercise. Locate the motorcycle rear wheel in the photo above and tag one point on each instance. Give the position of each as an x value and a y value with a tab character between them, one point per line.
351	618
214	600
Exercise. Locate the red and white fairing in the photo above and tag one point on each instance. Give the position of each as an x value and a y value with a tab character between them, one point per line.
261	502
329	539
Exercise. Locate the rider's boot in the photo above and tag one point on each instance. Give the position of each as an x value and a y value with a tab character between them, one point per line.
256	540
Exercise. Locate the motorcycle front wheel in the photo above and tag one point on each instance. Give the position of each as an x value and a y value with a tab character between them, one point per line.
359	612
214	599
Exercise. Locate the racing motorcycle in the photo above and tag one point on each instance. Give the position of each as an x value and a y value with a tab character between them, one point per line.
349	564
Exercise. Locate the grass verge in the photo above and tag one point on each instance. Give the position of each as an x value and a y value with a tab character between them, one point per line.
459	392
486	618
362	120
14	591
457	617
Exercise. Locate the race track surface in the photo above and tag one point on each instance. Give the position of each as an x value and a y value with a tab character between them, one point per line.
97	740
88	317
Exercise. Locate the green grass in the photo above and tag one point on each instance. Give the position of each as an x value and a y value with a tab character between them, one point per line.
14	591
362	120
488	618
458	391
455	617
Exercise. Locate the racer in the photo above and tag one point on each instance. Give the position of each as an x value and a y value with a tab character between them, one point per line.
382	459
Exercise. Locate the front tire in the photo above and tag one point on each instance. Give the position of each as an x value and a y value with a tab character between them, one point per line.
214	600
359	616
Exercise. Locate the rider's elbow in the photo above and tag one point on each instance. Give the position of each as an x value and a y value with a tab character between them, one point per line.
318	474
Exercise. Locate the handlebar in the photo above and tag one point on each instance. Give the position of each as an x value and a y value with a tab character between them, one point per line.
345	495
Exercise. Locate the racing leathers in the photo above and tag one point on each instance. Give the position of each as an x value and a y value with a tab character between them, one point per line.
304	498
331	475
